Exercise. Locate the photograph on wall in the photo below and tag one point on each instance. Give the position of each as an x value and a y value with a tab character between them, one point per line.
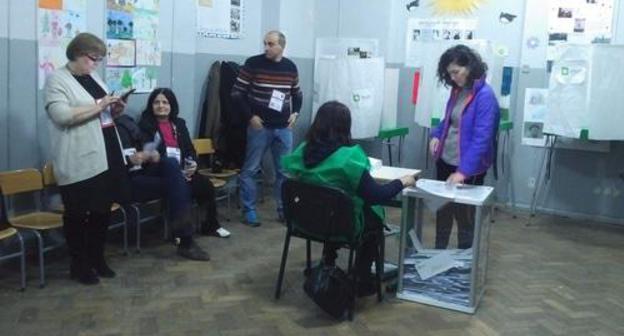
220	18
58	22
434	30
120	52
535	109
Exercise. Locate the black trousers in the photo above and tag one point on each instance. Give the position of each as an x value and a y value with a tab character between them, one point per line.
86	217
367	252
463	214
204	192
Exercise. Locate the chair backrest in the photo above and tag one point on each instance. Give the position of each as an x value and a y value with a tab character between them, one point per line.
203	146
19	181
318	212
48	175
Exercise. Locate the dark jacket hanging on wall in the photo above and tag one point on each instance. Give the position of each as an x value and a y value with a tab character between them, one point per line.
210	115
234	123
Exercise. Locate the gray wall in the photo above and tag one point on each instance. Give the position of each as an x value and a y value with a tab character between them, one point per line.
583	183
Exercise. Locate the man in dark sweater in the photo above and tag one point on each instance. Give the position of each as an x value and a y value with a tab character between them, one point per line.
267	90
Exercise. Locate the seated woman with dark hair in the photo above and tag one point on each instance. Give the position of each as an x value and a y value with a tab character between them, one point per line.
329	155
152	177
160	120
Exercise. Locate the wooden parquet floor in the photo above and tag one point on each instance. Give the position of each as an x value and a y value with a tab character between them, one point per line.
556	277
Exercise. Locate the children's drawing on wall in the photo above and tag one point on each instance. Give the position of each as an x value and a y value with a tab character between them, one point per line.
57	23
144	79
119	25
150	5
121	5
118	79
148	52
121	52
145	25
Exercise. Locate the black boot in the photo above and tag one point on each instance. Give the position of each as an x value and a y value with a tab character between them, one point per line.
75	237
96	233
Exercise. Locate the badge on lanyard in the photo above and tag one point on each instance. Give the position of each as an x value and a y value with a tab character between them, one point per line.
174	152
277	100
106	117
128	152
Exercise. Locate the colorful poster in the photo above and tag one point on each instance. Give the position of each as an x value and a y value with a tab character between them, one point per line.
119	79
150	5
58	22
220	18
121	52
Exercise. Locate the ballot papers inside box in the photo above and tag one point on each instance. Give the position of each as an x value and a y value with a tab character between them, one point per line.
450	278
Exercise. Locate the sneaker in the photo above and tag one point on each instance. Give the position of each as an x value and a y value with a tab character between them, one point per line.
193	252
219	232
251	219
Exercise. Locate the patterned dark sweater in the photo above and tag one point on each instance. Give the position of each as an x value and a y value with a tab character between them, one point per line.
256	83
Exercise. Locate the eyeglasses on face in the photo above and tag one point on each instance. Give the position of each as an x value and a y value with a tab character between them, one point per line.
95	59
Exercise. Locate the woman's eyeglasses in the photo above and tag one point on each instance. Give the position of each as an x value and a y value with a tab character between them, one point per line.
95	59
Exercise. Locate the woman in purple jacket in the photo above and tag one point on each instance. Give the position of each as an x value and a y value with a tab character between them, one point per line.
463	143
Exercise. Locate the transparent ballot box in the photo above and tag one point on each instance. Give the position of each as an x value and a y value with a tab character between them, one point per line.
434	267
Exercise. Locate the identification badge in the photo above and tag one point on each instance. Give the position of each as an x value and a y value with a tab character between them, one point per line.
174	152
106	118
128	152
277	100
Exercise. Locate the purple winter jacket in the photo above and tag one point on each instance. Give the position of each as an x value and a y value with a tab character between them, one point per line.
478	126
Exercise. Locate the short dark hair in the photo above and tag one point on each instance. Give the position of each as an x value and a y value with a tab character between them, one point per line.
332	125
462	56
148	112
85	44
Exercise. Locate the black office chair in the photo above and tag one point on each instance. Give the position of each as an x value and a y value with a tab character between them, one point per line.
323	214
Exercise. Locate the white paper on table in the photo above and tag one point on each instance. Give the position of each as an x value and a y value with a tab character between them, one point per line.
463	193
375	163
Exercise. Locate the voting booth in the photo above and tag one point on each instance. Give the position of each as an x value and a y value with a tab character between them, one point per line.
450	278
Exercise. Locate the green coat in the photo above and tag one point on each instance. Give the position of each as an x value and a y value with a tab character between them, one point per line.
343	169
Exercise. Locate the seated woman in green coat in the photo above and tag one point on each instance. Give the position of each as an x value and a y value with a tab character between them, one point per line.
328	157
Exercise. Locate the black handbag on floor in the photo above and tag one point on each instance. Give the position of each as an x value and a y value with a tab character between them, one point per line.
330	288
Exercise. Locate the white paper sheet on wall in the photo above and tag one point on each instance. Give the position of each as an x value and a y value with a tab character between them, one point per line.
357	83
391	92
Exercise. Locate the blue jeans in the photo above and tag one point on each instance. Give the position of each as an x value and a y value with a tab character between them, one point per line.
258	142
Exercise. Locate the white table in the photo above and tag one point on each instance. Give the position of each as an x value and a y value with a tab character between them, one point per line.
387	173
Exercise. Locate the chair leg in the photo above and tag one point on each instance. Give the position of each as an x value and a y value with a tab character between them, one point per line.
22	262
125	230
353	285
380	265
41	261
137	214
308	256
280	276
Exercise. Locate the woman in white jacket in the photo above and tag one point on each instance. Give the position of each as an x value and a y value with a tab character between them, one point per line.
86	154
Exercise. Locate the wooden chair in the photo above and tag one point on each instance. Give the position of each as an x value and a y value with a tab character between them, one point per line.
50	181
36	221
203	146
6	233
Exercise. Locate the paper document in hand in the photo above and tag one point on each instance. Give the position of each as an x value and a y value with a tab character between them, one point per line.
375	163
462	193
436	265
